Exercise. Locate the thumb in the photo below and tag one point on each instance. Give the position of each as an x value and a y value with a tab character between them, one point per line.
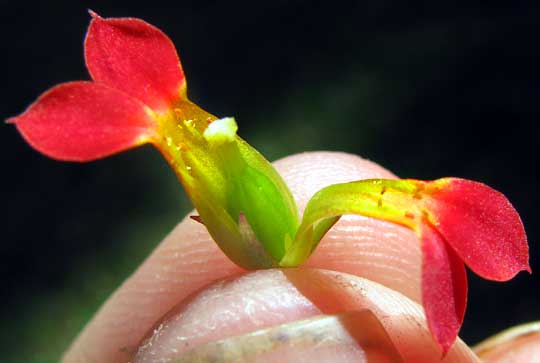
296	315
520	344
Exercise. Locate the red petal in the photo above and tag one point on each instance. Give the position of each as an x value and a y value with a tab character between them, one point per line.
444	288
81	121
482	227
136	57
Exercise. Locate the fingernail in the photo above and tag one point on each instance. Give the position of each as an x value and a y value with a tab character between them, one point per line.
354	337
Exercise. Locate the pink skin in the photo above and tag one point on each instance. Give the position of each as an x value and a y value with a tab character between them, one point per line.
520	350
363	254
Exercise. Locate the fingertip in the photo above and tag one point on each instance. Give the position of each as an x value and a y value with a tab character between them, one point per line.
292	313
520	344
188	259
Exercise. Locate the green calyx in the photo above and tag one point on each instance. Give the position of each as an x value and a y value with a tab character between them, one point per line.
390	200
241	199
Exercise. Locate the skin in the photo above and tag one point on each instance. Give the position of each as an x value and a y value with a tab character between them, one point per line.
188	299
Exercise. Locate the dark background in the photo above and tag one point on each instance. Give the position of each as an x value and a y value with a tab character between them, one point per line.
426	90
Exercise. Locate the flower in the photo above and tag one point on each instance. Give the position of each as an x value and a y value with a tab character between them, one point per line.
458	222
468	223
136	74
139	95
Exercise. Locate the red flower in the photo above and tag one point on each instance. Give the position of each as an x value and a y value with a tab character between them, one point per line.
136	75
465	222
138	95
459	222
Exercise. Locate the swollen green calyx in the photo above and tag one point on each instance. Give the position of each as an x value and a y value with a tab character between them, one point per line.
240	198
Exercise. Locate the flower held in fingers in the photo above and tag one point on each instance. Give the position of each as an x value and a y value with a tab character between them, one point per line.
139	95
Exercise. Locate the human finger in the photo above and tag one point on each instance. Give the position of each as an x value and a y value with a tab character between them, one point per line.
188	259
319	315
520	344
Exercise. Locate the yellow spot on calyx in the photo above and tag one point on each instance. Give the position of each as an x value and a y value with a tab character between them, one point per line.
221	131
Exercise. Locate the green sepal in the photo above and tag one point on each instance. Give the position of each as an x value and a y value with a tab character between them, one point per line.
231	235
257	191
241	199
391	200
